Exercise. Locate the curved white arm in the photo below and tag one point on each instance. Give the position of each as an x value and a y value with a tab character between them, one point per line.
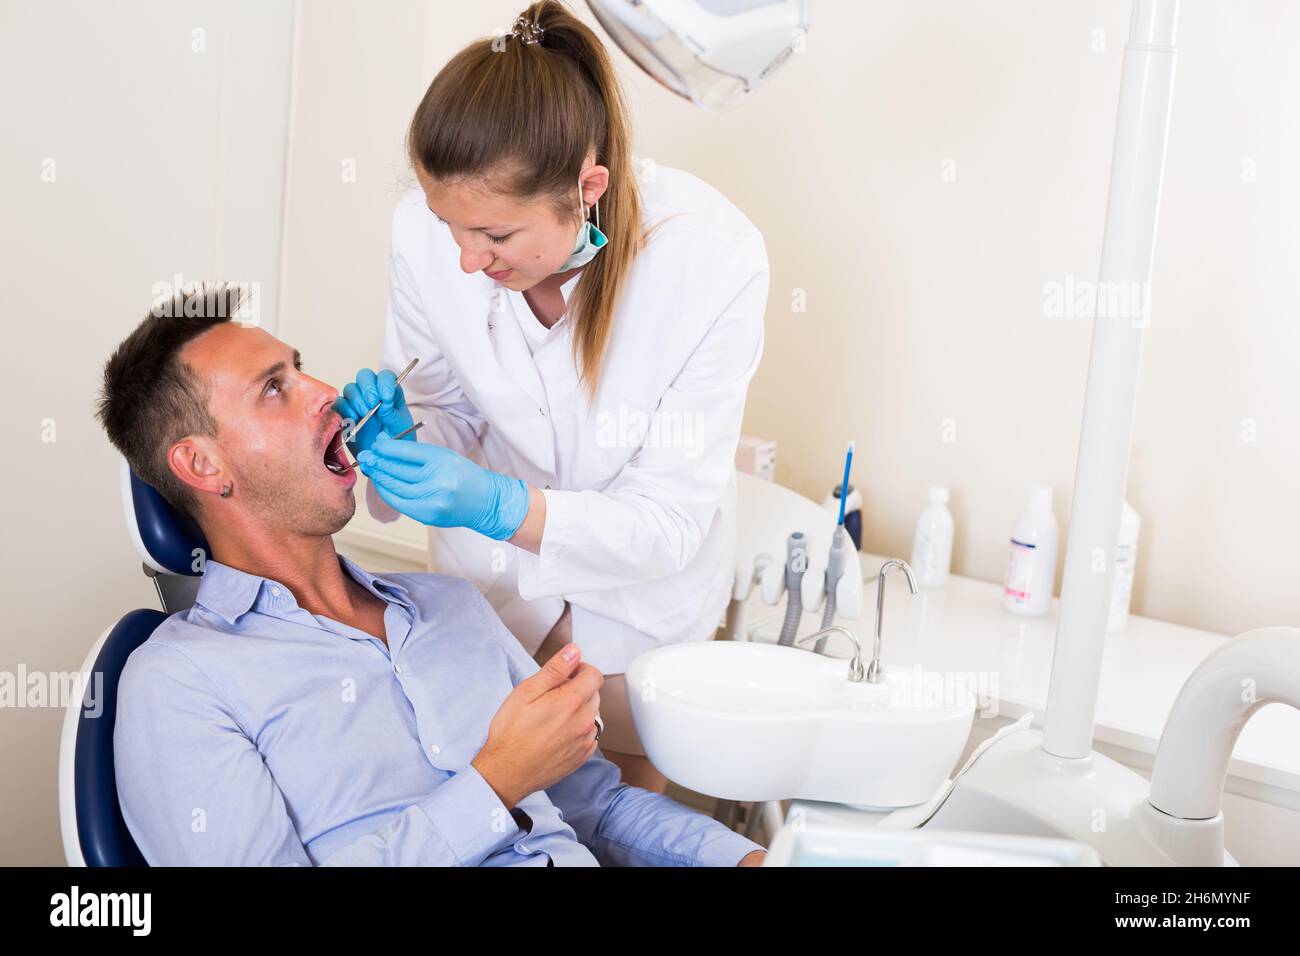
1257	668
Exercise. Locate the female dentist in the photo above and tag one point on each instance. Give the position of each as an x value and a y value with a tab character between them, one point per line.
582	400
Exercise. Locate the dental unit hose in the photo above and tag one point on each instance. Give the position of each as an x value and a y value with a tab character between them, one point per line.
834	570
796	562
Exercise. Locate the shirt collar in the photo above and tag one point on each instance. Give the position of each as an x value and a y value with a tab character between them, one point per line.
227	591
230	593
379	586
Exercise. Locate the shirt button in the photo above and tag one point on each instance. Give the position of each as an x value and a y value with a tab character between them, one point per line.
434	749
275	591
543	411
523	849
398	668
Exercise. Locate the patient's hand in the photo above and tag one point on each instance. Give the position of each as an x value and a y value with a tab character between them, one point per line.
544	730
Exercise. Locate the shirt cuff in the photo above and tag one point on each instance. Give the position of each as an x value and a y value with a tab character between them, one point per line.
469	817
728	849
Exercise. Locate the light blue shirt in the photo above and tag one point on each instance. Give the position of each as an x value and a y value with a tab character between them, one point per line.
251	731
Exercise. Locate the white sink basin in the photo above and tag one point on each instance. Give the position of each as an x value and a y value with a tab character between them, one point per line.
752	722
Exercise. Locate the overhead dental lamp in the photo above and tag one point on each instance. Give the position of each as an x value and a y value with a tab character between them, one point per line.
712	52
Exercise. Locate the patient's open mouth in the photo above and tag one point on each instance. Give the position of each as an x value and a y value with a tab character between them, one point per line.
335	458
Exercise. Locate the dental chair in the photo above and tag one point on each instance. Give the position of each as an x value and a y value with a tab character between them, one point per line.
173	551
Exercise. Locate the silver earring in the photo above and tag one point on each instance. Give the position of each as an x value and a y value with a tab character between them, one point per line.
226	490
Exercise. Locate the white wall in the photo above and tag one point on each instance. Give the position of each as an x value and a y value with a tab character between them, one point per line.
924	297
165	160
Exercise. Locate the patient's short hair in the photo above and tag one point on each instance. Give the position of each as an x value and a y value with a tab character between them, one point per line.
151	399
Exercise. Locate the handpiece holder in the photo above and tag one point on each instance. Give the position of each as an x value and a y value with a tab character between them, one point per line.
771	580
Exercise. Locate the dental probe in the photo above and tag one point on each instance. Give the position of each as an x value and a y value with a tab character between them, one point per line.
366	417
409	431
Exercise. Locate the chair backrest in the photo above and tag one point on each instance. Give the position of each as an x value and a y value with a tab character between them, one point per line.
167	540
94	832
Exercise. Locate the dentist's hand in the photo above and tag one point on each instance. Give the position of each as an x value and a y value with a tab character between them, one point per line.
438	487
362	395
544	730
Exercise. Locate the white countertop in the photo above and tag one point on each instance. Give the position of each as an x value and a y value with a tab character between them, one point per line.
962	629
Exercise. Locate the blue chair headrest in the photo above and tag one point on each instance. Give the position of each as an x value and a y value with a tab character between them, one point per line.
101	830
166	539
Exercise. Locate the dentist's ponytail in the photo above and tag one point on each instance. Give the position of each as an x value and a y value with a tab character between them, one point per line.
524	115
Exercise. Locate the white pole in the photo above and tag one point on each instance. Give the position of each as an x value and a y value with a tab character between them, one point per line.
1137	168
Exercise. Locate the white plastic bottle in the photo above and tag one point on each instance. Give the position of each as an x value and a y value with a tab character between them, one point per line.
932	544
1031	570
1125	563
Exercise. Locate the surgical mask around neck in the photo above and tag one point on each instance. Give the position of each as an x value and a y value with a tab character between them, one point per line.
590	239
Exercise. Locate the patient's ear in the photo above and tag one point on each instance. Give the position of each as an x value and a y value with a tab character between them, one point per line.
196	462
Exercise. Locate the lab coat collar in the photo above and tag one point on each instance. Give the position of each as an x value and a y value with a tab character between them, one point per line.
512	352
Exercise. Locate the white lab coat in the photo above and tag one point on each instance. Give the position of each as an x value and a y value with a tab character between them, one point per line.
640	486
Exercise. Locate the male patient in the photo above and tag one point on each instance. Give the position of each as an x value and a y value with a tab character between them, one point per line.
307	712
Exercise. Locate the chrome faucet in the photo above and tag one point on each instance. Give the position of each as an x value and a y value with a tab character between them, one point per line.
876	669
873	672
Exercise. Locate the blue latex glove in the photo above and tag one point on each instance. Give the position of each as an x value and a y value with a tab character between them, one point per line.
362	395
438	487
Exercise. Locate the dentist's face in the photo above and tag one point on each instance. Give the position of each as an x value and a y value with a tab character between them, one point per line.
515	243
276	431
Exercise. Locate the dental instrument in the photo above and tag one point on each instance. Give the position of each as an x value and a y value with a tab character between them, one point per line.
409	431
366	417
835	562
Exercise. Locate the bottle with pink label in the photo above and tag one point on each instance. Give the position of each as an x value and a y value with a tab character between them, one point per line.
1031	569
